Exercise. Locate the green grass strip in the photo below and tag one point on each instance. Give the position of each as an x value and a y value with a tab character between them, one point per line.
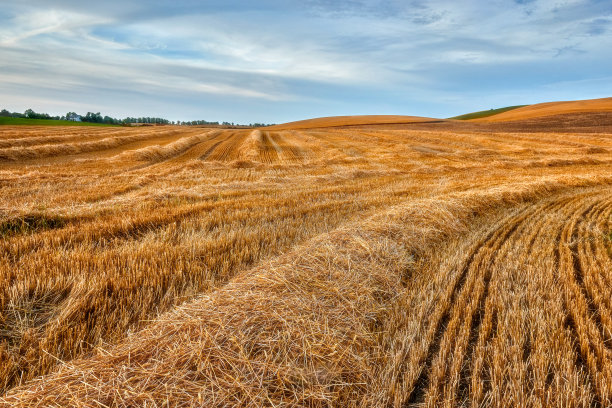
46	122
487	113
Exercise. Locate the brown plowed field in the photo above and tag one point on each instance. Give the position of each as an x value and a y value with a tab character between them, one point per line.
392	265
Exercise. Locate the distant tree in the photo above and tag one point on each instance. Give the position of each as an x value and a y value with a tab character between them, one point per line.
89	117
30	114
93	117
110	121
72	116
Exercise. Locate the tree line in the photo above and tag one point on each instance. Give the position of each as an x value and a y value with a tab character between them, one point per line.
92	117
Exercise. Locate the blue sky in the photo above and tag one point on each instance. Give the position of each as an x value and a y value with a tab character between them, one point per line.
275	61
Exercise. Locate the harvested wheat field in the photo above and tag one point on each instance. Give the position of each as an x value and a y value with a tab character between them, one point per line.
337	263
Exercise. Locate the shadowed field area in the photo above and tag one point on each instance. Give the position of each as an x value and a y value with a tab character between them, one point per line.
336	262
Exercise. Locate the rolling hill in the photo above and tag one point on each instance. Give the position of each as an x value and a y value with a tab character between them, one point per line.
485	113
337	121
551	109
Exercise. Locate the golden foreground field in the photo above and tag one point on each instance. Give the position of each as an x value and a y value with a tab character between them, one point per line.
383	265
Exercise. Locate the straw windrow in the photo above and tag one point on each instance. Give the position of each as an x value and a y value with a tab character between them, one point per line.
308	329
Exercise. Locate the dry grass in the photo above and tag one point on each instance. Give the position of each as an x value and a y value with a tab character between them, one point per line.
162	152
334	121
344	267
43	147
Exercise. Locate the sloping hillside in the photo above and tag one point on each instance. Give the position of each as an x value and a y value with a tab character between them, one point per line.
550	109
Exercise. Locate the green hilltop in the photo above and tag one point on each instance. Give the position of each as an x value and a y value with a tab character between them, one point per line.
486	113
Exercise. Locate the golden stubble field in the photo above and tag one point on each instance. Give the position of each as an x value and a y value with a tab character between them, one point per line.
407	265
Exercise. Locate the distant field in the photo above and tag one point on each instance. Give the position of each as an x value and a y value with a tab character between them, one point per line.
338	121
487	113
552	109
425	263
45	122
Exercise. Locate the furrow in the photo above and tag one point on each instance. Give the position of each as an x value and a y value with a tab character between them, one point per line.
161	155
472	384
209	151
288	152
467	325
196	151
268	152
595	280
437	330
423	385
582	316
228	149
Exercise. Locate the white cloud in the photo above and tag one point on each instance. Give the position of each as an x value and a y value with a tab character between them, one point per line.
31	23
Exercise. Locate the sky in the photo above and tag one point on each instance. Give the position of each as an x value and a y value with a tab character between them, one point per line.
274	61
